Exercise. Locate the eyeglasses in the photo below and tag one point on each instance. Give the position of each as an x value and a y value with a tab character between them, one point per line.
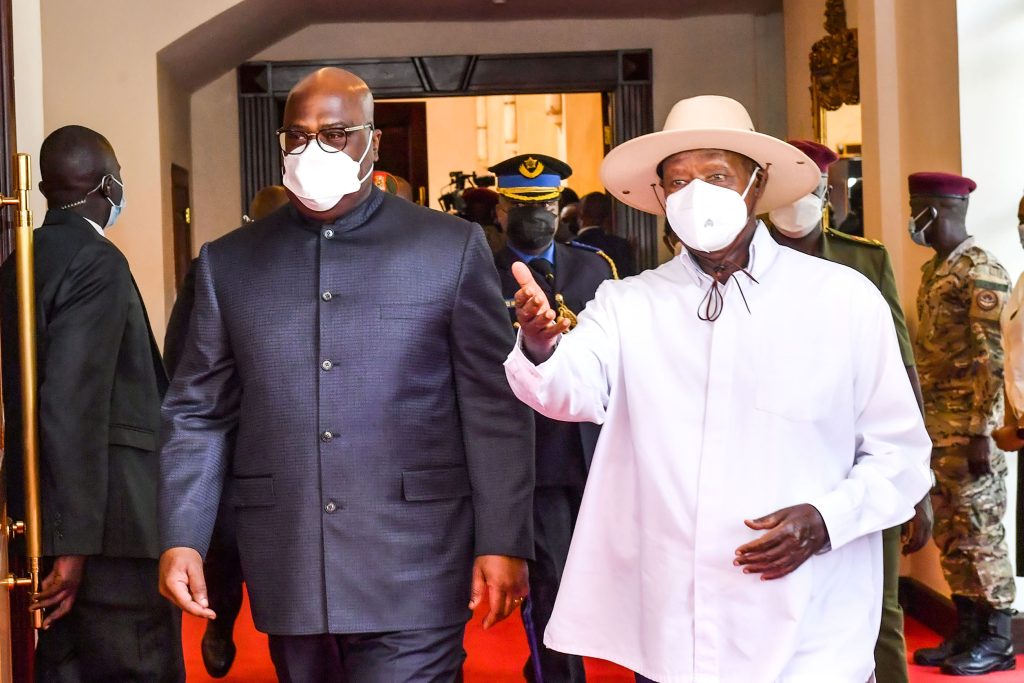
331	140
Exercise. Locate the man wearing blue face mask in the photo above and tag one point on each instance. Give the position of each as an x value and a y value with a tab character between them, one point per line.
343	368
750	453
100	385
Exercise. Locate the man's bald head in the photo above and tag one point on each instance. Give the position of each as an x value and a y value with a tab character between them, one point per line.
329	83
72	161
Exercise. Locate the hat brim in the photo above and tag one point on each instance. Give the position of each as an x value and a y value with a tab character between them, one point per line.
629	171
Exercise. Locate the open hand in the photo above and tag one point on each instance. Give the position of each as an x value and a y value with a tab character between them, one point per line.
540	325
182	581
506	580
794	534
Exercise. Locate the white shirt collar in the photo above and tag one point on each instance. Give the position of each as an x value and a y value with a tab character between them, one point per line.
763	249
95	225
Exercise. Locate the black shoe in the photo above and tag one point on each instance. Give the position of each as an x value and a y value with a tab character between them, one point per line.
961	640
993	649
218	651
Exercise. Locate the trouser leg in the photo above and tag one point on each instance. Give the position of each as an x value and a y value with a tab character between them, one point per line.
120	629
223	573
555	509
422	656
305	659
891	649
969	528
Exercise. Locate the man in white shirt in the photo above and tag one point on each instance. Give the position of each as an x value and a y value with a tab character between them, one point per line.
751	453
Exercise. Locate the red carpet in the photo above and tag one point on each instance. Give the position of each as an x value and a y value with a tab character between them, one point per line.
494	656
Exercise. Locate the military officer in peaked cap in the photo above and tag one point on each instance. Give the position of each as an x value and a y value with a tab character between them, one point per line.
529	186
960	359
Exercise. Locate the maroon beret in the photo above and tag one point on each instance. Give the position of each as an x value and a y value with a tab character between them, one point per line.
940	184
820	154
481	195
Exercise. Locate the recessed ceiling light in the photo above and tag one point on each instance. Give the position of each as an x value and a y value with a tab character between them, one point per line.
499	2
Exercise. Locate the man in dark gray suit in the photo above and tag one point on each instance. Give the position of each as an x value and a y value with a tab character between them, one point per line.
354	339
100	384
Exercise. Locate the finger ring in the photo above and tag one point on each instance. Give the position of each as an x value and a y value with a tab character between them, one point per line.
517	600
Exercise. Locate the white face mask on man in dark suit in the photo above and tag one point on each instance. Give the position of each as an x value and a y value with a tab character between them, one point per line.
320	179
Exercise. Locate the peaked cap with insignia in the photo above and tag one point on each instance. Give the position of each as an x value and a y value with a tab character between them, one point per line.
531	177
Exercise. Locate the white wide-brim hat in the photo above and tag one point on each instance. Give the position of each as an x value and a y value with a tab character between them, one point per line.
629	171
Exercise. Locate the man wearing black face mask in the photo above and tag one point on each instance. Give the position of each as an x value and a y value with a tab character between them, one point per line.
100	385
529	186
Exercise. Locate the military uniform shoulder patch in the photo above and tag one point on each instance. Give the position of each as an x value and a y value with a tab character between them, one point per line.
606	257
986	299
864	241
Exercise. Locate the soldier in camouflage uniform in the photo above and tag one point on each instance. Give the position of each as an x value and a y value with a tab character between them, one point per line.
960	362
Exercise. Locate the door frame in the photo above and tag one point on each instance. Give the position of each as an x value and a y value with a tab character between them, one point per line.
623	76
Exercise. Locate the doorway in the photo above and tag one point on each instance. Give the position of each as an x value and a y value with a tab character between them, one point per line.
181	222
621	78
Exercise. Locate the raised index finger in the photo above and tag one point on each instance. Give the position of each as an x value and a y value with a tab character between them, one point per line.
521	272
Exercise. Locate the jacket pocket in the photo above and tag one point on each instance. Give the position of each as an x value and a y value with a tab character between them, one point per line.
436	484
252	492
135	437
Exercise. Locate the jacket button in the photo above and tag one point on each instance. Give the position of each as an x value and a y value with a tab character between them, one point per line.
327	365
326	296
326	436
330	507
328	233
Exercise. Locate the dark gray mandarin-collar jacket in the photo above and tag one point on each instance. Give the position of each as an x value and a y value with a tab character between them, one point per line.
379	447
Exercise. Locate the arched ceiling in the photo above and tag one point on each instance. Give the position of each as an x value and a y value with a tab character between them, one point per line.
248	27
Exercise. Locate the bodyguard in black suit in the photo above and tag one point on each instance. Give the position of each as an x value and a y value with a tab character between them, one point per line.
529	186
594	215
100	384
383	472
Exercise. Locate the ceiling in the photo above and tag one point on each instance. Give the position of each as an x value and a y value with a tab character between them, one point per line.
252	25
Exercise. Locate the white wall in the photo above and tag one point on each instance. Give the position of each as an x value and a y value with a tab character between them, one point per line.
28	90
100	70
216	181
689	60
991	69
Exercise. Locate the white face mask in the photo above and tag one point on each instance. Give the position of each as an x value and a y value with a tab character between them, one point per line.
799	218
707	217
320	179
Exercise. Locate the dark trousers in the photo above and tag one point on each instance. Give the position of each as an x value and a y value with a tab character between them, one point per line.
554	515
426	656
120	629
223	571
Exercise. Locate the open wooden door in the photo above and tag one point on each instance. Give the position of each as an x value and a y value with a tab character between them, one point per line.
403	145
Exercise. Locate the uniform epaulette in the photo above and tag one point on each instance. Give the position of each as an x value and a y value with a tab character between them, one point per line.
606	257
854	238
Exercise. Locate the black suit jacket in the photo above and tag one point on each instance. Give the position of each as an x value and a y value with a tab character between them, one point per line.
100	384
564	450
617	248
379	447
